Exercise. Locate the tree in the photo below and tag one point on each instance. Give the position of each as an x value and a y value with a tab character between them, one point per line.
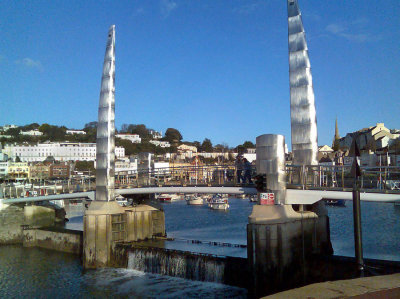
206	146
91	125
17	159
13	132
221	148
173	135
248	144
84	166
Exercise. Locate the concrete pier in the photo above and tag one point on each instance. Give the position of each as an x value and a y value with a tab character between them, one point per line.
106	224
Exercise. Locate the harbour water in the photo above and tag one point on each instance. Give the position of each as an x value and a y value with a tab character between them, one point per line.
39	273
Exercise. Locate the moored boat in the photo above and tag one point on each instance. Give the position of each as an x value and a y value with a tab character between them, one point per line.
218	202
193	199
335	202
168	197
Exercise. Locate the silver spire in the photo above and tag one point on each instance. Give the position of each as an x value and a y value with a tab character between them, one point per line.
302	107
105	144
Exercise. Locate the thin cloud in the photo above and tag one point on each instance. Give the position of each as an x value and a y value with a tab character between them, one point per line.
248	8
138	12
167	7
312	16
349	31
30	63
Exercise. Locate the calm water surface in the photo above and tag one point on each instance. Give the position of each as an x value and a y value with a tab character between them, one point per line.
40	273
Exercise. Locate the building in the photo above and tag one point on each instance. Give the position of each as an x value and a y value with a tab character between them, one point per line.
250	150
126	166
60	170
155	134
186	151
75	132
39	171
371	138
4	168
336	138
163	144
145	161
134	138
61	151
184	148
325	152
7	127
31	133
18	170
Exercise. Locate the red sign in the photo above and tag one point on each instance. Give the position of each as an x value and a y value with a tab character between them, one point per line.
267	198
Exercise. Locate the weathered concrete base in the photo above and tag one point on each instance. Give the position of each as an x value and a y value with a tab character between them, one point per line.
107	223
14	217
386	286
280	241
62	240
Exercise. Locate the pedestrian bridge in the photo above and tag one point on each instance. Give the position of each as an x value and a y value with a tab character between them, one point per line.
305	185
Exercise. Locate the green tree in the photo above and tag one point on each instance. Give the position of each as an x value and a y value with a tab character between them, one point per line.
248	144
206	146
173	135
13	132
17	159
84	166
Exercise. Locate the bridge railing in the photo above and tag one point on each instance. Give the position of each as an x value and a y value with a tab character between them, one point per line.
327	177
380	178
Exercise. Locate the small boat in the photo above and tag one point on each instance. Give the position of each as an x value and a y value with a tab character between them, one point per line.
168	197
122	201
193	199
253	198
335	202
218	202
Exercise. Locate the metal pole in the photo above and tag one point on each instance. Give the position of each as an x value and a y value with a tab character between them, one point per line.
357	226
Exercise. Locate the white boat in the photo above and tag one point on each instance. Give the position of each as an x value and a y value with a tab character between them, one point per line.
218	202
168	197
253	198
193	199
122	201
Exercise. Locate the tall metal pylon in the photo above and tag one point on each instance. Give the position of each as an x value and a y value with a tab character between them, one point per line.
105	143
302	103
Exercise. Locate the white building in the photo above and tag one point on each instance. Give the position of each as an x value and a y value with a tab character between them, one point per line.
161	168
160	143
125	166
4	169
155	134
31	133
134	138
7	127
61	151
75	132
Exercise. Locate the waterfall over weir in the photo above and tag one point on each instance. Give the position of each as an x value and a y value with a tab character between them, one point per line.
189	265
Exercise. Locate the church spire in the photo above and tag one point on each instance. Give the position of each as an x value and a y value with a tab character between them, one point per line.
335	143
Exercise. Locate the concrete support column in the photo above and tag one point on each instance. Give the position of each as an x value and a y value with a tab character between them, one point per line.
103	225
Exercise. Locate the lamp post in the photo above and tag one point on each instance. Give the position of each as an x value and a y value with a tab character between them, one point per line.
356	173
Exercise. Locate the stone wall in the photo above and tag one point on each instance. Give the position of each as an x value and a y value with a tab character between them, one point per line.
57	239
14	217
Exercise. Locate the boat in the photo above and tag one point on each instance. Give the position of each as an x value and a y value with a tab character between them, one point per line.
335	202
168	197
219	202
194	199
253	198
122	201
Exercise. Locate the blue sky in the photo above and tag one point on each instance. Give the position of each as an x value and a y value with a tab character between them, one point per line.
216	69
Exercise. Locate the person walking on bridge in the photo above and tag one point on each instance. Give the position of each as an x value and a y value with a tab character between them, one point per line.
247	171
239	169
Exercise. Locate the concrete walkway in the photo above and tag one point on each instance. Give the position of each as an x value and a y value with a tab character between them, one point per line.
385	286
